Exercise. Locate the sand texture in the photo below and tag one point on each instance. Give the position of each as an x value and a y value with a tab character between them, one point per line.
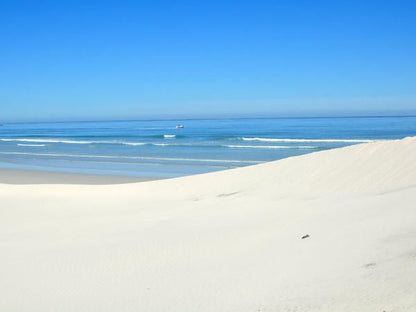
224	241
11	176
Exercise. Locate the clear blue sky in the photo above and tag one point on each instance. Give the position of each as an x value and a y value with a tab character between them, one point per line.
84	60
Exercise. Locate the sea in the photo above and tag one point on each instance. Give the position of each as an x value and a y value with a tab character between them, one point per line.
156	148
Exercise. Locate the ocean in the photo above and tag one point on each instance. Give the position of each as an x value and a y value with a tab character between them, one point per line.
155	148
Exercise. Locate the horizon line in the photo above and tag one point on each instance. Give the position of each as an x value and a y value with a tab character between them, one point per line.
213	118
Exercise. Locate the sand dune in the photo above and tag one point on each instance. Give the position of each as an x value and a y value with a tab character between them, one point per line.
224	241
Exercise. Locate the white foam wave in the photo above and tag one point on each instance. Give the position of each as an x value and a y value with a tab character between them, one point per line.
91	142
169	136
37	145
165	144
48	141
309	140
71	141
270	146
136	157
132	143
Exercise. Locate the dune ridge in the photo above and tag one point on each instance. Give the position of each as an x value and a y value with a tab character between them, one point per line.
223	241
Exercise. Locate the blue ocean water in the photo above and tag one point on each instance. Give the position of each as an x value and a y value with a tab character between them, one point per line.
155	148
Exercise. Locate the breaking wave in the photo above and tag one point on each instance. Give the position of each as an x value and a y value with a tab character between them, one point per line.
307	140
34	145
270	146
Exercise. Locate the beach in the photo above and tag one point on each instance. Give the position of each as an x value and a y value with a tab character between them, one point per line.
332	230
10	176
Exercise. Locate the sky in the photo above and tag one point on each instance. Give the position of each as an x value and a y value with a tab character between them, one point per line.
102	60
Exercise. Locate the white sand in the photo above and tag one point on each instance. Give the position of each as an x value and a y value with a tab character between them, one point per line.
12	176
225	241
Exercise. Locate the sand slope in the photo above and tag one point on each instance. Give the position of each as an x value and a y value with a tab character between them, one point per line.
225	241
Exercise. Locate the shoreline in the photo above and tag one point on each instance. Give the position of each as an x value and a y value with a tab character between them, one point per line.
23	176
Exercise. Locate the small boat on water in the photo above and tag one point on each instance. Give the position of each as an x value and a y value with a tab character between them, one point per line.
179	126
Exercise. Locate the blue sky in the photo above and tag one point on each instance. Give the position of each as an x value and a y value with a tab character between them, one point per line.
90	60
